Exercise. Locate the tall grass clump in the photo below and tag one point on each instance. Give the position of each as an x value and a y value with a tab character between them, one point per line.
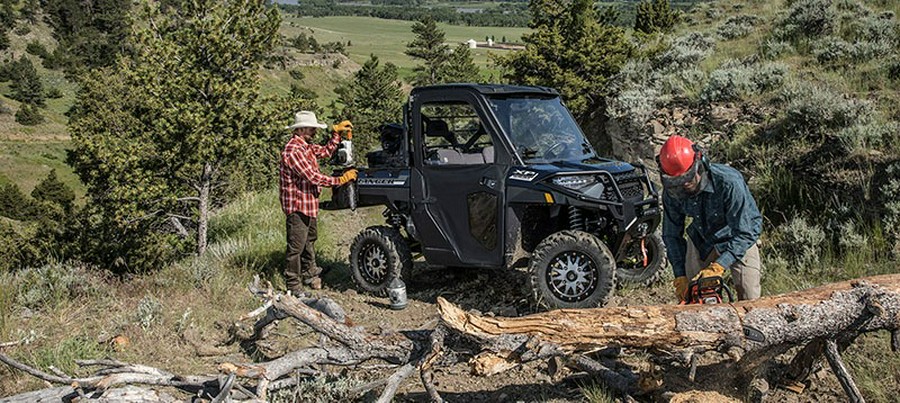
815	111
55	283
685	51
735	81
319	389
737	26
64	353
806	19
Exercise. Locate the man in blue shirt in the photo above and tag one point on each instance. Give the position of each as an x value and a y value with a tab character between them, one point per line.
725	222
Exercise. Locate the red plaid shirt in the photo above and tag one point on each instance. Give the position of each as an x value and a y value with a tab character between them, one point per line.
301	180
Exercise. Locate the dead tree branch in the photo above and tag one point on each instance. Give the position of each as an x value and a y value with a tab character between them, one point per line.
824	320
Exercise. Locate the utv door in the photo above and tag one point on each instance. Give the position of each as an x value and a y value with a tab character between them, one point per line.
457	187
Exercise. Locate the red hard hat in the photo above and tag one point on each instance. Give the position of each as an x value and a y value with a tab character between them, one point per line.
676	156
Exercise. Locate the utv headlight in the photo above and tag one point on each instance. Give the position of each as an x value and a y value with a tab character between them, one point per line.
523	175
574	182
587	185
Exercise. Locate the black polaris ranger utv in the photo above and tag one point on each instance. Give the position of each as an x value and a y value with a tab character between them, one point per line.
499	176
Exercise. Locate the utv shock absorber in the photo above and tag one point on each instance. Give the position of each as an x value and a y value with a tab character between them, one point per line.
576	219
394	220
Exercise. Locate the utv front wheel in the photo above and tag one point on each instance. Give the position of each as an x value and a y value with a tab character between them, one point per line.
377	256
643	261
572	269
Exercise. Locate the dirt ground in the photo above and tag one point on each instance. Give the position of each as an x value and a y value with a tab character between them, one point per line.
505	293
501	293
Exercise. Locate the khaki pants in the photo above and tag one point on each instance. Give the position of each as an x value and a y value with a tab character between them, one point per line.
744	272
302	233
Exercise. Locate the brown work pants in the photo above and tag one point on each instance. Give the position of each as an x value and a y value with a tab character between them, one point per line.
745	272
301	268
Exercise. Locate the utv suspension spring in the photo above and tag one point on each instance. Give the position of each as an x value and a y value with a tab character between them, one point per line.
395	220
576	220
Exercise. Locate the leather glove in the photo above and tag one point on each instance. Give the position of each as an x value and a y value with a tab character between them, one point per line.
345	128
713	270
349	175
681	285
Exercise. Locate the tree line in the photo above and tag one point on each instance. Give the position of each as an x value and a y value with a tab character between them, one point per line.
175	123
507	15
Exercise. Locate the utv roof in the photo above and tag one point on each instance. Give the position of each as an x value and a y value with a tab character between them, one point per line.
490	89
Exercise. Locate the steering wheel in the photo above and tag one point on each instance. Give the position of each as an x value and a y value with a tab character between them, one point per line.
555	150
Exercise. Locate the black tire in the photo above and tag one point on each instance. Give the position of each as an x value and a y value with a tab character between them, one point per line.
631	269
597	268
377	256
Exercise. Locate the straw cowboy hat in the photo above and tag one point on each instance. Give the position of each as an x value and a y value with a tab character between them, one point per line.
306	119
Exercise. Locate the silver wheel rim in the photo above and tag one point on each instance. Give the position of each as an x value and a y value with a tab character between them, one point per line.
374	264
572	276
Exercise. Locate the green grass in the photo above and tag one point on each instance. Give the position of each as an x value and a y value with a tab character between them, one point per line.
321	80
387	39
597	392
54	126
26	163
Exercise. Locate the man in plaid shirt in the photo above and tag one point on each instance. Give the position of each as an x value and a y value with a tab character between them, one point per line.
300	186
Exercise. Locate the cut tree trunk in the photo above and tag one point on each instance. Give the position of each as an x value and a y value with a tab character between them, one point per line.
758	329
203	194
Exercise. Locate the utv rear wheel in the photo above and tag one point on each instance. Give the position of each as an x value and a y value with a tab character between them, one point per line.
377	256
572	269
633	269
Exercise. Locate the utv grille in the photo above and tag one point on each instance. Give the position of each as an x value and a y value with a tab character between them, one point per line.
629	184
633	190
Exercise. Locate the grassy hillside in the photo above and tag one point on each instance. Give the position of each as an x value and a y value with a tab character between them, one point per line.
28	153
54	127
387	39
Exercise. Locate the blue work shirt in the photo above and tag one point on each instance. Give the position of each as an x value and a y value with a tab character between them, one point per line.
725	217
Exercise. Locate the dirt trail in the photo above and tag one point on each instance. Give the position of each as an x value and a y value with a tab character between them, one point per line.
506	293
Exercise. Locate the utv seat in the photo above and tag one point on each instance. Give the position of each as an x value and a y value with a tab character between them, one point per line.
439	128
488	154
447	156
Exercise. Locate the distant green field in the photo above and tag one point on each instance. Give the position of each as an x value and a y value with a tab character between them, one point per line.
28	163
387	39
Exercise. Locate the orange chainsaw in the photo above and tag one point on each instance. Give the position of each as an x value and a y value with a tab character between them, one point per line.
707	290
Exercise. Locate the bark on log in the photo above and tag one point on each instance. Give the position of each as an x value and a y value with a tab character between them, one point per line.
789	319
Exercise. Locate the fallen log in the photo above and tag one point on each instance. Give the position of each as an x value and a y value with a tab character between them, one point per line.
863	305
753	331
825	319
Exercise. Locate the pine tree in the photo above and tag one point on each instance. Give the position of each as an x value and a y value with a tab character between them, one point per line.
52	190
26	85
373	98
29	115
177	126
572	50
429	47
14	204
30	10
7	15
91	33
653	16
4	39
460	67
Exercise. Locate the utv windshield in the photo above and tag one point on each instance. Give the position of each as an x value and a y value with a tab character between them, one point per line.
541	129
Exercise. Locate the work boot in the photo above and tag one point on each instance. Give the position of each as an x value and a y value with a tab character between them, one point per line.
314	282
